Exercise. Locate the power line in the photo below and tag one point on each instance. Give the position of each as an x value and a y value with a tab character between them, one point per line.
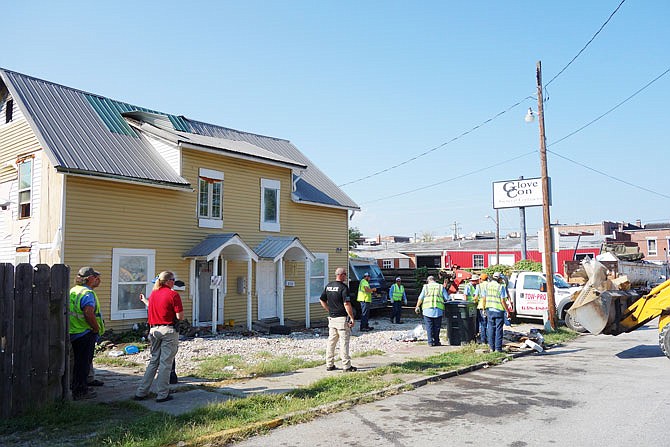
450	179
587	44
610	176
483	123
374	174
548	145
613	108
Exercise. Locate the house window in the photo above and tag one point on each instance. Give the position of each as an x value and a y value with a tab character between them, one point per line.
318	276
210	198
25	187
387	263
270	205
9	111
132	272
651	247
477	261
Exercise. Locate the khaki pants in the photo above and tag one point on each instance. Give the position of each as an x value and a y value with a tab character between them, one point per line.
164	344
338	330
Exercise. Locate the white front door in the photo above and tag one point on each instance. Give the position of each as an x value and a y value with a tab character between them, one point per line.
266	285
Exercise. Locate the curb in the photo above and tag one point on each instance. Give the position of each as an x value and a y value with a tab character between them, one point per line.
230	434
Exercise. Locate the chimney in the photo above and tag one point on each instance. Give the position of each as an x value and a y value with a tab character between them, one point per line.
638	223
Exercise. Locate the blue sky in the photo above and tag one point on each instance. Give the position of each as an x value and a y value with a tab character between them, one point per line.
361	86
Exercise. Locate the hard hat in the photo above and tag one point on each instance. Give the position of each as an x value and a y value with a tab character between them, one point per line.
496	275
398	278
474	278
484	277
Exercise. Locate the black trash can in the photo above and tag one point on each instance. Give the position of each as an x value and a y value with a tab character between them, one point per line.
461	321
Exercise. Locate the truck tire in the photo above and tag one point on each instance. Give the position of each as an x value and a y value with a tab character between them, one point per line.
573	324
664	340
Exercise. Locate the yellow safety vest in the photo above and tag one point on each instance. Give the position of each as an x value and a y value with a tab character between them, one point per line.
432	296
362	294
78	323
494	296
398	292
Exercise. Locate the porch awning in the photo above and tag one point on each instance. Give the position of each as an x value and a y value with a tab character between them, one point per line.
288	247
230	245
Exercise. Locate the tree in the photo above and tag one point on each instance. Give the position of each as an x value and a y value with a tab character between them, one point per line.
354	235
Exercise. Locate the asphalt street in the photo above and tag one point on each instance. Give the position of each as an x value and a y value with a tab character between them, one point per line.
594	391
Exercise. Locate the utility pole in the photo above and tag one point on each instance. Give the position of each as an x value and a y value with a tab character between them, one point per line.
548	252
522	218
456	226
497	237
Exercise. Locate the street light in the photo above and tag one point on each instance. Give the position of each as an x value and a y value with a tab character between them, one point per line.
497	222
530	116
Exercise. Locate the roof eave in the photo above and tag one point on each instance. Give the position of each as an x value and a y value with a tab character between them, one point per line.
122	179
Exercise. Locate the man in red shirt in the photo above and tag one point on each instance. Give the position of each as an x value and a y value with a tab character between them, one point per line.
165	308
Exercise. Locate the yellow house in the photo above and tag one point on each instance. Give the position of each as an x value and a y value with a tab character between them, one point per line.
247	221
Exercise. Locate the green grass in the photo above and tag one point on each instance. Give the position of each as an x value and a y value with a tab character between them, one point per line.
229	367
560	335
127	424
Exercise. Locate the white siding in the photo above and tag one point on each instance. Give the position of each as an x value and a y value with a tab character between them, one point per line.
16	112
168	151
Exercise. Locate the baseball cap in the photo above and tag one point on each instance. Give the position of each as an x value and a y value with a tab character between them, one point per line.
366	274
474	278
496	275
85	272
398	278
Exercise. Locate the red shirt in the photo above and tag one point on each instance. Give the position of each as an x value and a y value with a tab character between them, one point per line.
164	304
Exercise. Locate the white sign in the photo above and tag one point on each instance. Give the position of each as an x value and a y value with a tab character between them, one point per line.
518	193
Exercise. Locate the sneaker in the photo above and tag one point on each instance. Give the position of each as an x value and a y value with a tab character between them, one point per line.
96	383
86	395
350	369
332	368
164	399
136	397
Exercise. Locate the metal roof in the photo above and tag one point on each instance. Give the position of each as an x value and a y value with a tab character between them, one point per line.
290	247
214	244
87	134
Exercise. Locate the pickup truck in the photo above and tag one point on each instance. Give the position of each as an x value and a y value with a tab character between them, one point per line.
528	294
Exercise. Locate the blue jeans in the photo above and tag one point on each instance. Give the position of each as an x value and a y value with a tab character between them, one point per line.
365	313
433	325
481	321
397	310
495	328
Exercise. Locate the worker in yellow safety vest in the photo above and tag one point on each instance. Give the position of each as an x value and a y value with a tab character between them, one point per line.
431	304
365	298
495	293
86	325
398	297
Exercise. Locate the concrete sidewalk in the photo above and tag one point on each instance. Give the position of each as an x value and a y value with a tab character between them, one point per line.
191	393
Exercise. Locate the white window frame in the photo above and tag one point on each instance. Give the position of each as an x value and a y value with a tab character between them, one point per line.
117	253
29	189
649	250
315	292
474	263
210	178
387	263
268	184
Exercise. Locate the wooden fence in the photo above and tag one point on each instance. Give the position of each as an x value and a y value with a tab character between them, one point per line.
34	346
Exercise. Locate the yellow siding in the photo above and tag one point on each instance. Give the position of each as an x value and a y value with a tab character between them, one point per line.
102	215
15	139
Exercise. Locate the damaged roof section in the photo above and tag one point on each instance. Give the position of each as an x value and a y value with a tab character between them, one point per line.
88	134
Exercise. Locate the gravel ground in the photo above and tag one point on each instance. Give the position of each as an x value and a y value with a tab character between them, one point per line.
309	344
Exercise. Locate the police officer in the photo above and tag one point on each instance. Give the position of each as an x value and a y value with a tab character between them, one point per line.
86	325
